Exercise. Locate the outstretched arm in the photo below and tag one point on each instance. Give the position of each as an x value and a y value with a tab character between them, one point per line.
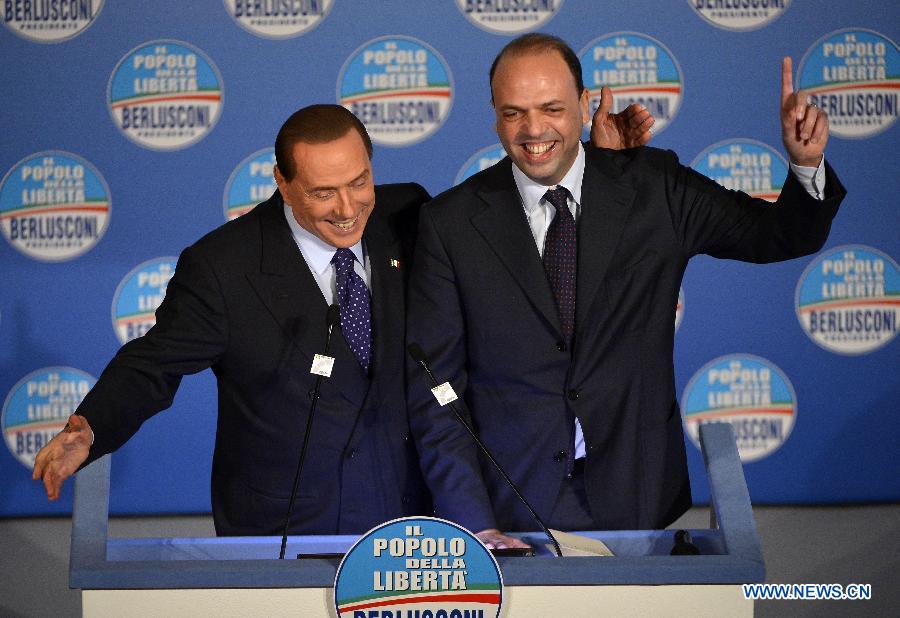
627	129
190	334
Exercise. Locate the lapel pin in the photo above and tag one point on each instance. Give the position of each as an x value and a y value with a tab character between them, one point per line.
395	263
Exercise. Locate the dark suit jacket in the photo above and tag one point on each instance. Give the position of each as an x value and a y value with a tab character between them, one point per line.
244	302
481	308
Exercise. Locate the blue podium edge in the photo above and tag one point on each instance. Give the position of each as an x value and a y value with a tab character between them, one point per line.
731	548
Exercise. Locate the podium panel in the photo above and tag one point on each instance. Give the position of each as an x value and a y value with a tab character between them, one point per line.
232	576
520	602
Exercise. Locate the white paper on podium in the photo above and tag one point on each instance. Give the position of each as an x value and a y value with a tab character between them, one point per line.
576	545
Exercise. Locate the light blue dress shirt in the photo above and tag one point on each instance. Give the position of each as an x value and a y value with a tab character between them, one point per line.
318	254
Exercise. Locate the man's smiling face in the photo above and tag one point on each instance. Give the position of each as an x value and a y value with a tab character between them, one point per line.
539	113
333	192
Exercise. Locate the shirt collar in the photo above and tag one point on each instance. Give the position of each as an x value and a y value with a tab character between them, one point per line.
531	192
316	251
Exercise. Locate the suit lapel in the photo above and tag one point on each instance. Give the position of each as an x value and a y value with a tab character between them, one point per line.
387	289
605	205
284	282
289	291
504	226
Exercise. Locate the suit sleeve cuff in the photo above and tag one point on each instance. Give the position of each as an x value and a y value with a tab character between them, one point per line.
812	179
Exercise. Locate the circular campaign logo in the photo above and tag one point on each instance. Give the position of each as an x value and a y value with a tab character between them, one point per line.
251	182
481	160
418	566
399	87
49	21
747	391
744	165
37	407
165	95
848	299
278	20
54	206
853	75
740	14
638	69
138	296
509	16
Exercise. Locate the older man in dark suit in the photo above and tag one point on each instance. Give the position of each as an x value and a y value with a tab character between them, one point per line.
544	287
250	300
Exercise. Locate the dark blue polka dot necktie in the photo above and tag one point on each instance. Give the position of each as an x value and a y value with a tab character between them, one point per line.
561	260
353	299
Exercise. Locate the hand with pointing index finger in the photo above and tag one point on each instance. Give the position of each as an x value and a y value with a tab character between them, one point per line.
804	127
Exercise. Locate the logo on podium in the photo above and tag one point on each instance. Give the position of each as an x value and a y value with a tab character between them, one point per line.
418	566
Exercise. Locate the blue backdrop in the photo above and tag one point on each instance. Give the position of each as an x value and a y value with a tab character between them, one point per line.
132	133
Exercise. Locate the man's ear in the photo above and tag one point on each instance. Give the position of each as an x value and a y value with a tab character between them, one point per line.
279	179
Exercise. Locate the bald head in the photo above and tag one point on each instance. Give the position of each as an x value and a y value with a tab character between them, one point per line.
536	43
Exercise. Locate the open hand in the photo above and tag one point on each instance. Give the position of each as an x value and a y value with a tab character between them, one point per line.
62	456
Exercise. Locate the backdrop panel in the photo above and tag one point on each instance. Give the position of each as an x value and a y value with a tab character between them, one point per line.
131	129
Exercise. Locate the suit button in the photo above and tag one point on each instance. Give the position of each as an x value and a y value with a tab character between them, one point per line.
406	437
573	395
561	346
352	453
560	456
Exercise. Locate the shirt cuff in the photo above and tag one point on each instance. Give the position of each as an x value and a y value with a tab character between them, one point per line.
811	178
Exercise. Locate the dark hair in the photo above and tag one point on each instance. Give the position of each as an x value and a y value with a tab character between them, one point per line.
537	42
315	124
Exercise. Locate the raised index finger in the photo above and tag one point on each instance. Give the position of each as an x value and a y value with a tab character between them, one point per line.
787	80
